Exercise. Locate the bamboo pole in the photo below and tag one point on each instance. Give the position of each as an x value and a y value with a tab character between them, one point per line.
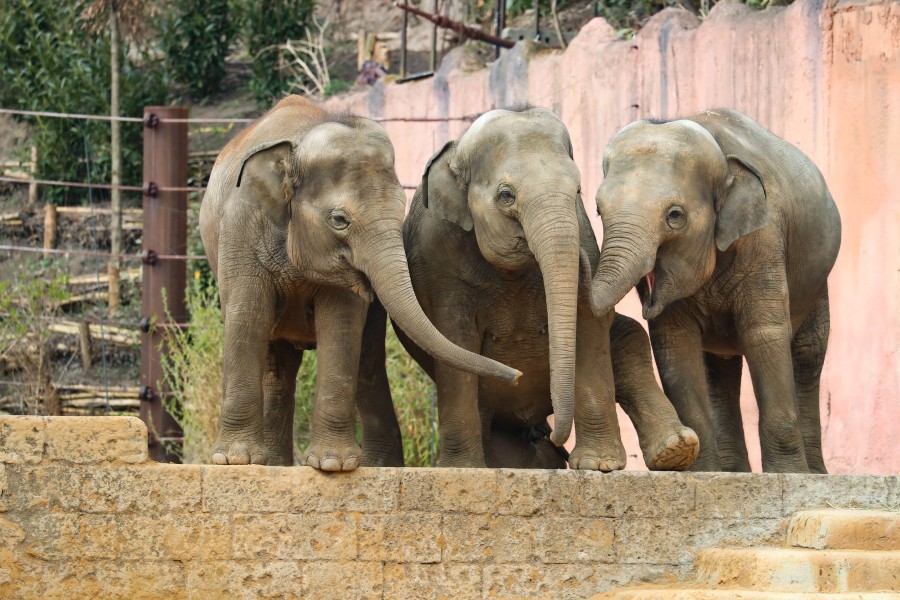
49	227
84	339
32	187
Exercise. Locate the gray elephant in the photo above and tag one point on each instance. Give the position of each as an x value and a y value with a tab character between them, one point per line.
729	234
302	223
496	239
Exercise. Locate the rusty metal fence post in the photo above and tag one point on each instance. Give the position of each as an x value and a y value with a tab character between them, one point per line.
163	281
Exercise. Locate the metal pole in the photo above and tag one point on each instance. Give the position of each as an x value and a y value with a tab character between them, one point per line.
537	20
163	281
501	23
434	39
403	44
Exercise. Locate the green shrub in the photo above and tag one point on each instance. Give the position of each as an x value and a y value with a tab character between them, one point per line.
269	23
49	62
33	293
195	36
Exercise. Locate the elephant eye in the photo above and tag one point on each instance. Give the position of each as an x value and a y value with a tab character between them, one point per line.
338	220
506	197
675	217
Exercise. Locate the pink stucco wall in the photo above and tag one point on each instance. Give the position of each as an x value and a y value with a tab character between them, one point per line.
823	75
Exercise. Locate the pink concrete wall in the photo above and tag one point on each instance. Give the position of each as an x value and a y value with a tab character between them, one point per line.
823	75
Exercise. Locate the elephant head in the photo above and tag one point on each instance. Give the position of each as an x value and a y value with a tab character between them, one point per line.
511	180
670	198
333	189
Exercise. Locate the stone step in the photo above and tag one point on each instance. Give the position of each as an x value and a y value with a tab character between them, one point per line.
685	593
845	530
799	570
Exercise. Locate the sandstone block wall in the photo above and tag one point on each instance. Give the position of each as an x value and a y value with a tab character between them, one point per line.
83	513
823	74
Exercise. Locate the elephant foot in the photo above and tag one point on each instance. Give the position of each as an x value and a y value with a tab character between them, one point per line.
345	456
597	460
239	450
676	453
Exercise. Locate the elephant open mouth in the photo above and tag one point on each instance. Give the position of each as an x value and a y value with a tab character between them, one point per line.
646	289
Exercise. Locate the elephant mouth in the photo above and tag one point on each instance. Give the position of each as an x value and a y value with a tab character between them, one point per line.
646	289
362	287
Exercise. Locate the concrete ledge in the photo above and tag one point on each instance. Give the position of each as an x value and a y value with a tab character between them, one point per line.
83	513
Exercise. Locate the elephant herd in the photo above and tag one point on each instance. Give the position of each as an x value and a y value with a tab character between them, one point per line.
727	232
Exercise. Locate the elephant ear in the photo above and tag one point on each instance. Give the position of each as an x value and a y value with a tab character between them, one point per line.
442	189
264	175
743	208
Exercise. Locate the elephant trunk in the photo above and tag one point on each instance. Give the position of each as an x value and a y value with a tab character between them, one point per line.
628	254
383	261
551	228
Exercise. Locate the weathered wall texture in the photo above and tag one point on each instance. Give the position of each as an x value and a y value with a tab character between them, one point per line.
83	514
823	75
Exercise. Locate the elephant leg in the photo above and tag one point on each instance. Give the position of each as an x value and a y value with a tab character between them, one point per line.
459	416
677	348
667	445
808	351
340	317
382	443
764	332
598	444
248	309
723	380
279	384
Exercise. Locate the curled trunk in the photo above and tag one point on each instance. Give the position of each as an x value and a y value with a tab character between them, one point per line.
384	263
551	228
627	255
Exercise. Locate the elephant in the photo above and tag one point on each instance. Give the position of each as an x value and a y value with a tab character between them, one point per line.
729	234
500	252
302	225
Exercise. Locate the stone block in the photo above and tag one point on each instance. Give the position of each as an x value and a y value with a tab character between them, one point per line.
674	541
22	439
107	579
804	492
448	490
647	494
331	579
96	439
311	536
147	488
245	580
575	539
432	582
564	582
538	492
404	537
738	495
66	536
178	537
845	530
487	538
254	488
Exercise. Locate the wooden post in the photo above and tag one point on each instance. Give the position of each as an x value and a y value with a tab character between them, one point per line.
163	281
32	187
84	345
49	227
112	269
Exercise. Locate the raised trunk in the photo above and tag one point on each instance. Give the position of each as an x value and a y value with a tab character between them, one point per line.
627	254
551	228
384	263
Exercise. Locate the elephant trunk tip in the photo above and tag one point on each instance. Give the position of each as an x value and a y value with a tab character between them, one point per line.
560	435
